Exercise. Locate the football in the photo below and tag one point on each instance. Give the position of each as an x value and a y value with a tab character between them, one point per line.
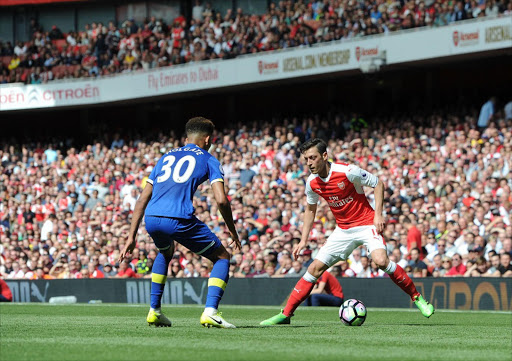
353	312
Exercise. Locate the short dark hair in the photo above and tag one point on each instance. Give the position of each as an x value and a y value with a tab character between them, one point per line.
320	145
199	125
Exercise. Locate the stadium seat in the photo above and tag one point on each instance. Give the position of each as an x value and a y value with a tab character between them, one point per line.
60	44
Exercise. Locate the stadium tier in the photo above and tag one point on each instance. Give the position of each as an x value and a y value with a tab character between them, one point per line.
103	48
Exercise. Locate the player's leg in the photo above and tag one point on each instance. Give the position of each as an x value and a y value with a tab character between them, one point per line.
161	230
334	249
217	283
196	236
299	294
397	274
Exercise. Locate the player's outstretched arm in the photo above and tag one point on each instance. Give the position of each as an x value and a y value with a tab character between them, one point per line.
309	218
138	213
225	209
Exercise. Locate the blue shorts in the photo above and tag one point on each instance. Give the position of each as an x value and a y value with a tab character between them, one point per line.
191	233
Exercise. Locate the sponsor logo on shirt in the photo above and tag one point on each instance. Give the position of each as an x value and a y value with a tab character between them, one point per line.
340	203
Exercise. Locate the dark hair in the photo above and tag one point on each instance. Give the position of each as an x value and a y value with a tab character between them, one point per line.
320	145
199	125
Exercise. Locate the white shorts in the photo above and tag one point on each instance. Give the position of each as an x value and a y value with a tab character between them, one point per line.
342	242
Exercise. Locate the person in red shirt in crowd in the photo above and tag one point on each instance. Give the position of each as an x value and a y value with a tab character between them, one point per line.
413	236
458	268
327	291
94	272
5	292
125	271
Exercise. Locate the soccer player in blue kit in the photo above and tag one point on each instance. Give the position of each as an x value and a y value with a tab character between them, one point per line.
169	217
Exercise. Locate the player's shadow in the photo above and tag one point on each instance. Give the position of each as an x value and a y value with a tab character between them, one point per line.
426	324
287	326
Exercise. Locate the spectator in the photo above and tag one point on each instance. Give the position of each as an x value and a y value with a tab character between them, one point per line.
413	235
125	271
458	268
508	107
175	270
366	271
94	272
478	269
505	268
326	292
486	113
417	263
109	271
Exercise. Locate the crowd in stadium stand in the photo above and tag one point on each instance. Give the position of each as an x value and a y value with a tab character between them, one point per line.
104	49
65	212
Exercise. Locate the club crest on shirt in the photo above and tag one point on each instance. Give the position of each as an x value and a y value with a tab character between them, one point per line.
341	185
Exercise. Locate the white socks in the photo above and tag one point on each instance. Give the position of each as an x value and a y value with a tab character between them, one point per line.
309	277
157	310
210	311
390	269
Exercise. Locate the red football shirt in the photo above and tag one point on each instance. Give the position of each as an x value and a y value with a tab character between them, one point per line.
332	286
343	191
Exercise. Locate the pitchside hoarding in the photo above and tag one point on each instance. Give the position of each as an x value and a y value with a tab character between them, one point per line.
443	293
473	36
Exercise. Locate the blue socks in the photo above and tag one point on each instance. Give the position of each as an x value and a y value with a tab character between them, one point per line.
158	279
217	283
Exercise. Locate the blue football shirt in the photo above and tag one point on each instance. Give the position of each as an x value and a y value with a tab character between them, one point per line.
176	177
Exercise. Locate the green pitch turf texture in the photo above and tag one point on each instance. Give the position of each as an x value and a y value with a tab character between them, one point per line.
120	332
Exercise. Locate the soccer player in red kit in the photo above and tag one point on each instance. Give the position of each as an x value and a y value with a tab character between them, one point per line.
341	185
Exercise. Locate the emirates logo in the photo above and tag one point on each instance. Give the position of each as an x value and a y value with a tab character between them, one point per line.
456	38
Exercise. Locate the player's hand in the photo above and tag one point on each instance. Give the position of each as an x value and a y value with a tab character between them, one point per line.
236	241
378	222
127	250
298	247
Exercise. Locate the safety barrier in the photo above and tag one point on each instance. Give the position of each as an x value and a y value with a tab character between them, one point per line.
444	293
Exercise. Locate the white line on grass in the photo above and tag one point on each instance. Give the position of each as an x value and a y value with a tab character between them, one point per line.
307	309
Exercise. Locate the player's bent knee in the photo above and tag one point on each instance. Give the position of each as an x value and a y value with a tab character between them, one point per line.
381	262
317	268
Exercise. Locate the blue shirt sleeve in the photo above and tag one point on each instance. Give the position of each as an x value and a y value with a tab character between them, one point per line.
215	171
152	176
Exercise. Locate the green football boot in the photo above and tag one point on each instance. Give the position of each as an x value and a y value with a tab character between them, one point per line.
279	319
425	307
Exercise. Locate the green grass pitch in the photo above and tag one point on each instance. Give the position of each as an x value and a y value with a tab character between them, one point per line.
119	332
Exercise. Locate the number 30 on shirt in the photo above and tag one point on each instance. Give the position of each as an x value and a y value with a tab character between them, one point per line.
168	169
